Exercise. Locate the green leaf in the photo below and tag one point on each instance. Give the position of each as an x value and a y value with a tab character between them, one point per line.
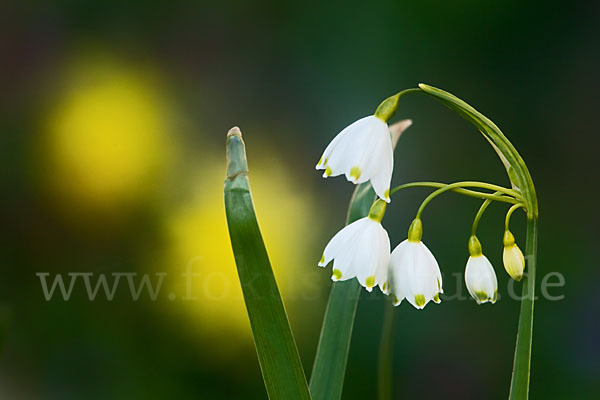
329	369
277	353
386	348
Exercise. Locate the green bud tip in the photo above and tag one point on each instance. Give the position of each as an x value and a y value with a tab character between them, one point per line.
377	210
415	232
508	238
387	108
474	246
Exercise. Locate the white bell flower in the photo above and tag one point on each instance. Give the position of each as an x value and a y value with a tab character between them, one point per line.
514	262
480	276
361	250
415	274
363	151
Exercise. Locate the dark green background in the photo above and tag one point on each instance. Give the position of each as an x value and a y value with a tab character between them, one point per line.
292	74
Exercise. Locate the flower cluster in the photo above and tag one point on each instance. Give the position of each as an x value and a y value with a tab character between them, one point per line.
363	152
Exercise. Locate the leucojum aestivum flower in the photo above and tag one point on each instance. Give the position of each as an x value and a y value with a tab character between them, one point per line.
362	256
363	153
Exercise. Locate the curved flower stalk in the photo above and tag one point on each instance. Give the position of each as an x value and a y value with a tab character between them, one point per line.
521	179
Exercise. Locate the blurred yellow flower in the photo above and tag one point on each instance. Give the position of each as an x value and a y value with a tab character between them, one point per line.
107	136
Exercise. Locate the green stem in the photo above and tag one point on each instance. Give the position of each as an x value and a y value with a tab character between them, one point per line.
388	107
519	386
509	214
479	214
466	192
386	354
451	186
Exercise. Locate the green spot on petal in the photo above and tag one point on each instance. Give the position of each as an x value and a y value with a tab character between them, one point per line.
387	194
328	171
337	273
370	281
420	300
495	297
322	259
436	298
481	296
355	172
395	300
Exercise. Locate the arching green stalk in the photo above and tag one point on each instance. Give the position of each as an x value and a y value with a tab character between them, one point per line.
509	214
479	214
516	168
521	179
466	192
451	186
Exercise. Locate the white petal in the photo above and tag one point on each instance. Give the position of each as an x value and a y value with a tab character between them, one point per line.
375	246
346	151
357	125
480	279
340	240
382	176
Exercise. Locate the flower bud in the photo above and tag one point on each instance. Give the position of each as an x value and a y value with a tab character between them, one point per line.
513	259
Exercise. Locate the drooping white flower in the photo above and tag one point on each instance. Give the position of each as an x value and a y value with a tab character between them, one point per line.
361	250
362	151
480	276
514	262
414	272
